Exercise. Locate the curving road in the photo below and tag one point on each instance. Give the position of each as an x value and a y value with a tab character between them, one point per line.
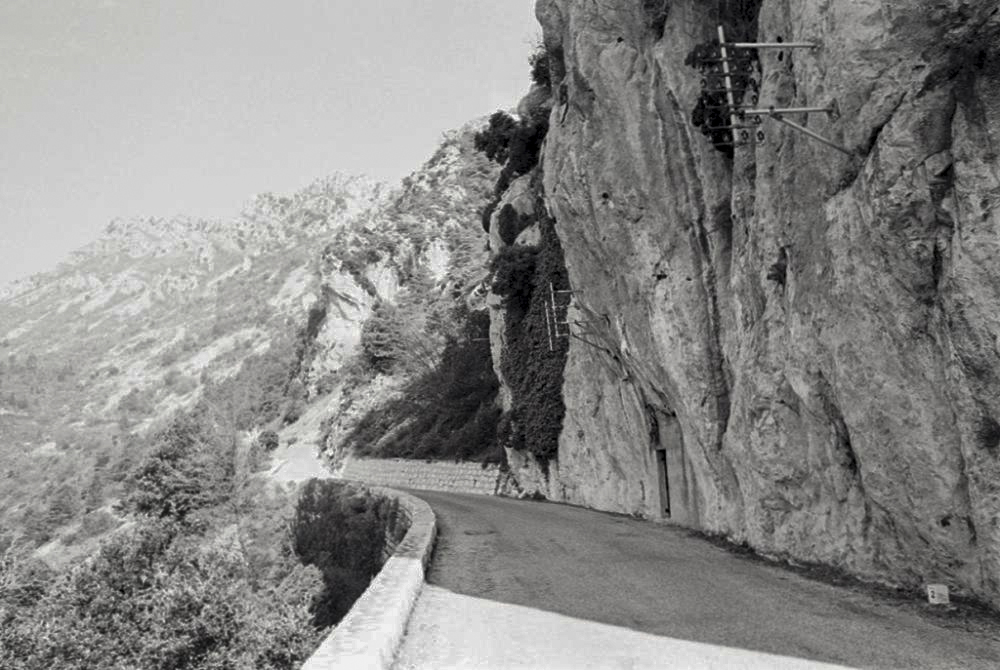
538	585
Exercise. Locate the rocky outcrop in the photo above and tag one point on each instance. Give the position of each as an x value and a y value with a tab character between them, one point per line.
817	334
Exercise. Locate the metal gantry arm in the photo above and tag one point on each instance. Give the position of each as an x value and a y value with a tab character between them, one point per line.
561	327
769	45
739	112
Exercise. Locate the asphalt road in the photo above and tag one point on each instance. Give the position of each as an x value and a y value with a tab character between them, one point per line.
657	580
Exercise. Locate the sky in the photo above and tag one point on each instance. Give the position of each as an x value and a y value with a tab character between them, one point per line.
123	108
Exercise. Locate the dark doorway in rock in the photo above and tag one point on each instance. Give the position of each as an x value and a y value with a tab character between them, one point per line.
664	482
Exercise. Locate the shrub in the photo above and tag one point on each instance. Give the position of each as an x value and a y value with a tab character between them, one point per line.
149	600
379	344
268	440
510	224
513	270
447	412
136	403
93	524
540	71
739	18
988	434
189	468
494	140
256	394
341	530
513	144
533	372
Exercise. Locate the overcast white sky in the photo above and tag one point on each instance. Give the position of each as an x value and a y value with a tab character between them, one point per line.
119	108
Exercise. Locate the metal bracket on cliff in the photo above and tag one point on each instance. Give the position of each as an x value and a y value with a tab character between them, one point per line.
736	59
557	323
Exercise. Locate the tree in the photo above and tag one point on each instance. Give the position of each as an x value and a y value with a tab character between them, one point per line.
189	468
340	530
151	599
379	344
494	140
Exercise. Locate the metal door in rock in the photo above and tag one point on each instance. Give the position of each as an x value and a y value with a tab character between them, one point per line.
676	494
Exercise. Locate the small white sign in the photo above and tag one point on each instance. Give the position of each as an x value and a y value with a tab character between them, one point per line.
937	594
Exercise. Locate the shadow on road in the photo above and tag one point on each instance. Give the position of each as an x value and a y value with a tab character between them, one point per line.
657	580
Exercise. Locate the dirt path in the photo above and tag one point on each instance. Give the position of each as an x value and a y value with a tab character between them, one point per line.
579	578
300	460
297	462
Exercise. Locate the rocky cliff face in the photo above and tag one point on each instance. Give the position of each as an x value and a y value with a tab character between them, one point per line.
813	337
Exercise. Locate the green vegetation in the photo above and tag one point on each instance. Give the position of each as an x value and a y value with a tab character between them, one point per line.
988	434
510	224
190	467
268	440
521	274
513	272
533	372
541	72
199	579
380	337
152	598
513	144
446	412
259	393
341	530
213	572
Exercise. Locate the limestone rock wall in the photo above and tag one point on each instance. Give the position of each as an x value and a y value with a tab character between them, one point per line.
849	413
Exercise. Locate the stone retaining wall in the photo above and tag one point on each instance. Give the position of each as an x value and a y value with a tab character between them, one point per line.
461	477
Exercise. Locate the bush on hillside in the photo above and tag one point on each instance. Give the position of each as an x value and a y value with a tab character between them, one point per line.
340	530
256	395
511	143
510	224
268	440
513	272
448	412
148	599
379	345
533	371
190	467
540	71
494	140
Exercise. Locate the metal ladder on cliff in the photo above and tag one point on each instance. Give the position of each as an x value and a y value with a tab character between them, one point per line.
730	61
558	325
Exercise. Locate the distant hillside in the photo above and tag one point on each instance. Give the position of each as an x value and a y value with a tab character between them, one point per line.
256	317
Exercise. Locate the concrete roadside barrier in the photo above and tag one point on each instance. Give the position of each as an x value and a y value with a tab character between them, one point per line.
369	636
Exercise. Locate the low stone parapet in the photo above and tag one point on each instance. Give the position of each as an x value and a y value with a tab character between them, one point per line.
368	637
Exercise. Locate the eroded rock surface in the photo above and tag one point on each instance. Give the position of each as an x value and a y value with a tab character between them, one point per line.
821	330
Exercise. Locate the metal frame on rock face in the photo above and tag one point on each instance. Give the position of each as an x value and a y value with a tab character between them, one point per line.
745	118
561	327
